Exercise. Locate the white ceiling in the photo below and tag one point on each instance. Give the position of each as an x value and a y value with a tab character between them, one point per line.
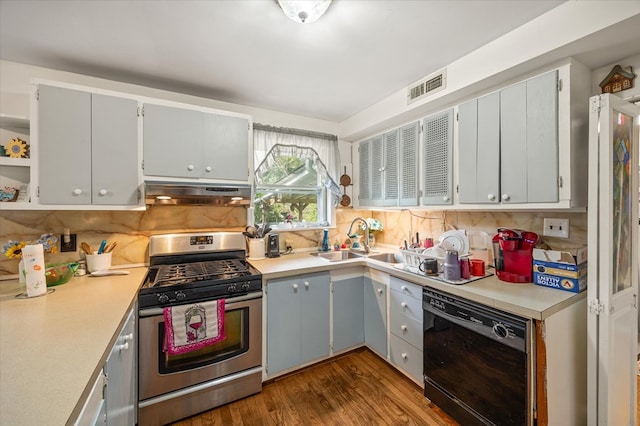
247	52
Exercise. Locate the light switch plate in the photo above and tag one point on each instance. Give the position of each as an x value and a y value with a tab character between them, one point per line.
556	228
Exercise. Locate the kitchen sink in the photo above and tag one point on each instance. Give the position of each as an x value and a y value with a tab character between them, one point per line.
386	257
335	256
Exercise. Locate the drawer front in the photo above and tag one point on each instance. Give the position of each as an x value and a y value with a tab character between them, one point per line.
406	305
406	357
406	288
407	328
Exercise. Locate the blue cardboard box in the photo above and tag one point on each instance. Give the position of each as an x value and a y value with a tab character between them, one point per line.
564	270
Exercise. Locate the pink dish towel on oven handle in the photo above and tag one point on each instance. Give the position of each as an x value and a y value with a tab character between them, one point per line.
191	327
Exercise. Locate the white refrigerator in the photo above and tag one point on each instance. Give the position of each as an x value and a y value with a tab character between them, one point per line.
612	290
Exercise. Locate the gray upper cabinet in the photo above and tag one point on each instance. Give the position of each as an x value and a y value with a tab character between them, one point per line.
408	192
88	148
529	141
437	135
508	145
389	168
192	144
479	150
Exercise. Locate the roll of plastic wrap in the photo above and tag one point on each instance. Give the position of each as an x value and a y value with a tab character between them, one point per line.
33	256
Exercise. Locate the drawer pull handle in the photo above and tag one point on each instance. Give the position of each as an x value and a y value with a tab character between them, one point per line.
190	167
380	291
403	327
403	304
404	356
77	191
306	284
295	286
404	288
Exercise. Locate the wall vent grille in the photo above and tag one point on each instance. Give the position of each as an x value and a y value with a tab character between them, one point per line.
433	83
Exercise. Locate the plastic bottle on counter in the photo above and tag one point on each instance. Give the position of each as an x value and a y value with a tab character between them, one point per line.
451	266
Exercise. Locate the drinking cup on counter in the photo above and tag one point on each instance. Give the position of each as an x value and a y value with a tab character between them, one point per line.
98	262
429	266
477	267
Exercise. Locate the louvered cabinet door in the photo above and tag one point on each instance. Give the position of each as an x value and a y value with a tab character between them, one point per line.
364	173
390	169
409	177
438	159
377	170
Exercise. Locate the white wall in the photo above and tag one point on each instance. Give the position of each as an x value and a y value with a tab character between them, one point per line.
573	27
15	86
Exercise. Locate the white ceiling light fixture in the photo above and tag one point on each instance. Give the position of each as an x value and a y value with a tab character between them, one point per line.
304	11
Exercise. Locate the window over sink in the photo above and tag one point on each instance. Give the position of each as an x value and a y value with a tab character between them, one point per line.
294	187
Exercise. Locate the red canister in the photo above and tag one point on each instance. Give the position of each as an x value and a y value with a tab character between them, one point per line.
465	269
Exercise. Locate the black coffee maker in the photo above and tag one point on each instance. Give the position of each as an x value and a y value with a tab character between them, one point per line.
273	245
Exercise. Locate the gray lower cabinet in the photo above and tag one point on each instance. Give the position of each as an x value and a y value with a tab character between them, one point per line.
112	400
88	148
348	313
121	373
375	316
405	326
185	143
297	321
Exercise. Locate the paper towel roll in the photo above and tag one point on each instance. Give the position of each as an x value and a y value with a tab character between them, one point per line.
33	256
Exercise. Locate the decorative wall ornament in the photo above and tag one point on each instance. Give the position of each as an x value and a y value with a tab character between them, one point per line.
618	79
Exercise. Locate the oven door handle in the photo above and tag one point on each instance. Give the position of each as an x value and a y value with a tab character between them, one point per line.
249	296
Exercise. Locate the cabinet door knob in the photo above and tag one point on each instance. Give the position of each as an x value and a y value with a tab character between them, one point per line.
123	347
295	286
102	192
491	197
207	169
306	284
404	355
445	198
77	191
505	197
380	291
190	167
128	337
403	327
403	304
403	288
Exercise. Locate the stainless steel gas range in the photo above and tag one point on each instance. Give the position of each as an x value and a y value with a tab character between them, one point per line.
192	269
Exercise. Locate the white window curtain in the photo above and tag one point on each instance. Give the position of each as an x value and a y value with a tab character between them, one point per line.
266	137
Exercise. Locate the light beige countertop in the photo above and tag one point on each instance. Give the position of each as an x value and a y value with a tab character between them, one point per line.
526	300
52	347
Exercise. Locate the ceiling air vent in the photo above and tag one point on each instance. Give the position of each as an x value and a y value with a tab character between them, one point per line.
433	83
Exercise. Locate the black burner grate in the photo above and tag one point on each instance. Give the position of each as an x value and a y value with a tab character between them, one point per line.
183	273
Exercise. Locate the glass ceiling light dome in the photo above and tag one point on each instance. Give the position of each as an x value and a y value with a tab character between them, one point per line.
304	11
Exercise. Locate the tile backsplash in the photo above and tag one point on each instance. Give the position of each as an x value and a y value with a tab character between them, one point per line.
133	229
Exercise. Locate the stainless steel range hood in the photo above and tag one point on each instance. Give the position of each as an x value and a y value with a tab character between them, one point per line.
184	193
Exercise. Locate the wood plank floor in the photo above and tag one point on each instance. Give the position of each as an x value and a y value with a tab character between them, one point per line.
357	388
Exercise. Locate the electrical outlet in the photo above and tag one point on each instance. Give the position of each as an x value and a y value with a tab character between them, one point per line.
70	246
556	228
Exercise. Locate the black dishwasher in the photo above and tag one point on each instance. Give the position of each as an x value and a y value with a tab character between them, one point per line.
476	361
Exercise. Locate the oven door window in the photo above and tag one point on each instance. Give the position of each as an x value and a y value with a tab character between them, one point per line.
487	376
236	327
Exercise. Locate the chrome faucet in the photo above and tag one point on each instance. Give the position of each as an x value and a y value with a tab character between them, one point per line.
366	233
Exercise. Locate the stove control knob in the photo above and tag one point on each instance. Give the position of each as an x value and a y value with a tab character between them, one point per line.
232	288
246	286
180	295
163	298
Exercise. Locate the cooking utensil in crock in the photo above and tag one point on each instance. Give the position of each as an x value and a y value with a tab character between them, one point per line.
345	179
